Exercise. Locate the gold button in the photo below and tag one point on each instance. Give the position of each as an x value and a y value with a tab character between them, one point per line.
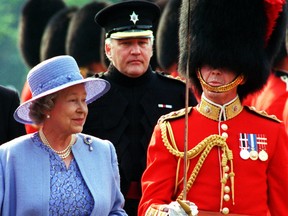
225	210
226	168
224	127
226	197
224	134
226	189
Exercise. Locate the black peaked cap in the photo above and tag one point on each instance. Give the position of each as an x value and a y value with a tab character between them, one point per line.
117	17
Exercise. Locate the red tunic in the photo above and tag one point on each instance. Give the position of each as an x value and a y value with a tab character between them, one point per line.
273	98
260	186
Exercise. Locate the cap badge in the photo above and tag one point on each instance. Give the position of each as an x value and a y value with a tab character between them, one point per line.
134	18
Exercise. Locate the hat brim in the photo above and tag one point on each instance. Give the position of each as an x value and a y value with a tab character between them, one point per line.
95	88
132	34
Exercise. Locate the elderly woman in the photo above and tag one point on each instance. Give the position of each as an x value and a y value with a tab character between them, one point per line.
59	170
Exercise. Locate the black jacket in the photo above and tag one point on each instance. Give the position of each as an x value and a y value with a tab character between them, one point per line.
127	114
9	127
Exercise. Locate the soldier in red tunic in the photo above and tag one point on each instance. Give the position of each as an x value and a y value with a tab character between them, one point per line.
237	157
273	98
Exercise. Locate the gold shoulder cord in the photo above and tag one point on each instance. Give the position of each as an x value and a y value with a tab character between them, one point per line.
204	147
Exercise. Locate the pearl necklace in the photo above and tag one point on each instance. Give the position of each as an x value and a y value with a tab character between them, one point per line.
63	153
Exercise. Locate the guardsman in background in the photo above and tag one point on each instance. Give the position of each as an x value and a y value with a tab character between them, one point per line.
54	36
167	43
236	158
273	98
84	38
127	114
35	15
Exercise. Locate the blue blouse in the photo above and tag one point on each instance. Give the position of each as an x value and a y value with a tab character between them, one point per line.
69	194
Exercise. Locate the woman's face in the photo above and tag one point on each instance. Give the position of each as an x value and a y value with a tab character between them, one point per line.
69	112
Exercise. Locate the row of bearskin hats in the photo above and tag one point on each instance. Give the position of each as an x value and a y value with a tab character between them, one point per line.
33	20
49	27
241	35
44	32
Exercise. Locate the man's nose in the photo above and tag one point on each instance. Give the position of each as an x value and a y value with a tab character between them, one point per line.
215	71
135	49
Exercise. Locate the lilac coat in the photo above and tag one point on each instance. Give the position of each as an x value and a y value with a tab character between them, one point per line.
25	181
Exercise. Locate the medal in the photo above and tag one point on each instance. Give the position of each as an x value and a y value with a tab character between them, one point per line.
253	155
253	146
244	154
252	142
263	156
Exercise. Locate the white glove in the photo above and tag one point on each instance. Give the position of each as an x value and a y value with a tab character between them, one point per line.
175	209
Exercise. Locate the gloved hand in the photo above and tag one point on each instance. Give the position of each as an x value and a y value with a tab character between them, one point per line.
182	208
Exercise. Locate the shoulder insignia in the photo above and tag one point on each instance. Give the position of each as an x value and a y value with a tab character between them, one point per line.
163	74
174	115
263	113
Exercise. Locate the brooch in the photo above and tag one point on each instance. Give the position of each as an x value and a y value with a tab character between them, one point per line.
88	141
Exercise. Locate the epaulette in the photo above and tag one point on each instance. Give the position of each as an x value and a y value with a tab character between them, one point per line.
263	113
173	115
163	74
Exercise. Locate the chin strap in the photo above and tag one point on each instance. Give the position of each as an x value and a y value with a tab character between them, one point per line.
219	89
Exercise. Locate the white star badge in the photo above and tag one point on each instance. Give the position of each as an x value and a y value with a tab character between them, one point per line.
134	18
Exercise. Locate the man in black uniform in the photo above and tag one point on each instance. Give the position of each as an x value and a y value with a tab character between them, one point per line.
127	114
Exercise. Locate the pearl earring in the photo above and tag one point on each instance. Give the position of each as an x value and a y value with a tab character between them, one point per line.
48	116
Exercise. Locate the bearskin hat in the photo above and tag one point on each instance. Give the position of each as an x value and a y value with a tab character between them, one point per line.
167	35
34	16
54	37
154	61
162	4
283	52
243	36
84	36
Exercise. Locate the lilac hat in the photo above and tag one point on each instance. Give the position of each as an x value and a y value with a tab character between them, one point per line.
53	75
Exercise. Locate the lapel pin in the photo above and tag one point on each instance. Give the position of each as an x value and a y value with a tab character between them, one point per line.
88	141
